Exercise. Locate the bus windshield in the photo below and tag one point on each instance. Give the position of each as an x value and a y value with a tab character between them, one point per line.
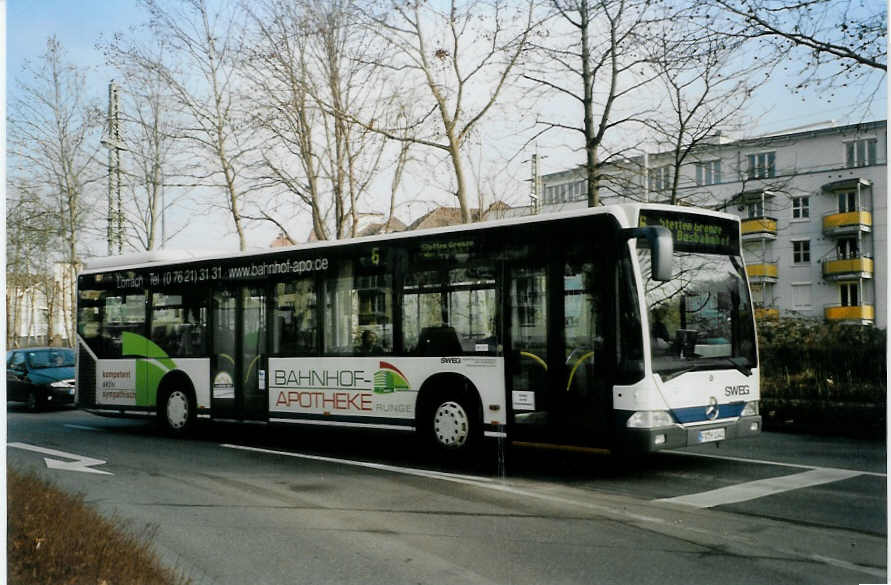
701	319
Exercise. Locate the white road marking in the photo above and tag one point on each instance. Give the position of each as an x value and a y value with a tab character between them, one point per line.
850	566
609	511
472	480
768	462
752	490
365	464
83	428
80	463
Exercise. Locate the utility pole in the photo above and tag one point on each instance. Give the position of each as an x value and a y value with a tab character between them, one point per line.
535	194
112	141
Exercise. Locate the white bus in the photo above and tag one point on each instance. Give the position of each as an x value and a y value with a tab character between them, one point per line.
628	327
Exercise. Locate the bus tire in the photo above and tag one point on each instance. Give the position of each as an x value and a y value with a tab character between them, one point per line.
452	422
177	410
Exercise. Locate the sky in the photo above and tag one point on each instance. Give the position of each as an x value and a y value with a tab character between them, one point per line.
79	24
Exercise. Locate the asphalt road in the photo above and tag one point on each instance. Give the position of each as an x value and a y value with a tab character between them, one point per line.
254	504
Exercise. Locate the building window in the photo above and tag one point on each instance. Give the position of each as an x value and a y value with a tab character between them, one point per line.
762	165
848	248
660	178
801	295
755	209
801	251
801	207
548	195
581	192
708	173
849	294
860	153
847	201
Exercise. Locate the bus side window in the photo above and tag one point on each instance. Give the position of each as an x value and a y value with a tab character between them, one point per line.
359	310
295	324
422	307
179	322
123	313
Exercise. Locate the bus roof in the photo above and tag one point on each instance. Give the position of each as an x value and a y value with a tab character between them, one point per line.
625	213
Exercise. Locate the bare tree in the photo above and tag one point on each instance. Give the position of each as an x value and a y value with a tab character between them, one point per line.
201	74
706	89
464	55
149	118
31	239
837	42
53	144
598	64
310	65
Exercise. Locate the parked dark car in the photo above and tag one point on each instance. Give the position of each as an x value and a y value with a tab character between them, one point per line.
41	377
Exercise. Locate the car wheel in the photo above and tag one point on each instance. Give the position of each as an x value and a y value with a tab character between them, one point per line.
33	403
178	412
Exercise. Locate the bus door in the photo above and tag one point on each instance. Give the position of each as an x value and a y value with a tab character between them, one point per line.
530	368
585	389
239	345
558	387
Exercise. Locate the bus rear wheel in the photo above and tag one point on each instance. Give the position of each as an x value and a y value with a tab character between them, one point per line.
452	425
178	412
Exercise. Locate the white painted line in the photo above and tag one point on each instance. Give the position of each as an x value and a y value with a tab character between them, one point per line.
365	464
472	480
80	463
767	462
850	566
83	428
609	511
751	490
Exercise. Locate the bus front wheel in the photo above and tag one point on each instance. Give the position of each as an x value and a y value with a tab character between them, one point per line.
178	411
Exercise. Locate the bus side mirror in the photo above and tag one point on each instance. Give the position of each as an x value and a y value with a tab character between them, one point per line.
661	248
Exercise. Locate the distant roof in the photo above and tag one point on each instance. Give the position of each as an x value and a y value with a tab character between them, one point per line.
391	225
445	216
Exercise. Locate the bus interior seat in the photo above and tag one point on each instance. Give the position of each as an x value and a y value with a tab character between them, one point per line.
441	340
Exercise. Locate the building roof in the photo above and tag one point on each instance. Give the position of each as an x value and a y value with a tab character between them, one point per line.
445	216
394	224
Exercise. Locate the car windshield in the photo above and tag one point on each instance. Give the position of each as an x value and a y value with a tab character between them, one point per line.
701	319
50	358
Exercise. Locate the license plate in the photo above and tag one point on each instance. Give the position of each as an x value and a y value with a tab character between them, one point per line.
710	435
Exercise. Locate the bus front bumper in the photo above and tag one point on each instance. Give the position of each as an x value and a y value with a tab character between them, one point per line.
677	436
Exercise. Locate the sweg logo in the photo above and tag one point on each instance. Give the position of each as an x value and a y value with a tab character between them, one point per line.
741	390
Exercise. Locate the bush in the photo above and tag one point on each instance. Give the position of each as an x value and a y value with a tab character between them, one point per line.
53	538
806	360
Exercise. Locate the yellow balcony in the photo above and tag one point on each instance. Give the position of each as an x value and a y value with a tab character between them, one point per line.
759	228
847	268
855	314
766	314
851	222
762	273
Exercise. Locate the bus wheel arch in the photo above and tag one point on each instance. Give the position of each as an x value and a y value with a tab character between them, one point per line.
449	414
176	403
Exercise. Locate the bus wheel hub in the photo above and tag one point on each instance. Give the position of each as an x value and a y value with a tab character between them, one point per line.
451	424
177	409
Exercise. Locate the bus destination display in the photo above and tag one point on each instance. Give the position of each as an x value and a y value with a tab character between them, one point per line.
696	233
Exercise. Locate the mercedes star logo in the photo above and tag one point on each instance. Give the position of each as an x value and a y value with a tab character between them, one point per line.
711	411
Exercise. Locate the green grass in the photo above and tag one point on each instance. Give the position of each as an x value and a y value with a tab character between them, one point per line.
54	538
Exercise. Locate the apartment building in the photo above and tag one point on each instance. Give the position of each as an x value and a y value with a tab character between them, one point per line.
813	204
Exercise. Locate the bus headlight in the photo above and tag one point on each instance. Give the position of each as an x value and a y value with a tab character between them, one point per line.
648	419
750	409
